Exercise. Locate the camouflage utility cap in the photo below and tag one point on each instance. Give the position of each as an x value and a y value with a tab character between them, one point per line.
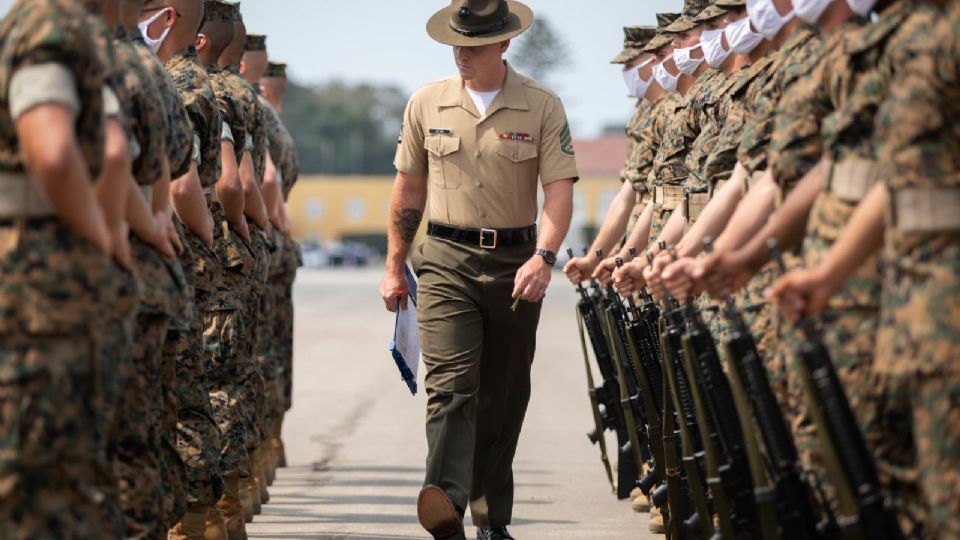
635	38
218	11
255	42
691	8
276	69
663	36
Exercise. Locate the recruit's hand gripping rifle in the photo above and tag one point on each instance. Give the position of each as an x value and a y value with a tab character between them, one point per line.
835	420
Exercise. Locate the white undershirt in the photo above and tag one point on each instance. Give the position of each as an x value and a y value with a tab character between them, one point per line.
482	99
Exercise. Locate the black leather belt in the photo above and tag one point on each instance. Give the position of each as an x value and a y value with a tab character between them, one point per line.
485	238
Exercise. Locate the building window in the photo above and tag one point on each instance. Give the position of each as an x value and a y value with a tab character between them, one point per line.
356	210
315	209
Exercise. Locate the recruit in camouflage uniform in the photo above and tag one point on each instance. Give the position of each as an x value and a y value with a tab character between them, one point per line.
274	83
227	323
145	425
919	333
55	280
260	244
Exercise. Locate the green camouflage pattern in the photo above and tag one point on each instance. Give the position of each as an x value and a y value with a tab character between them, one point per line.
917	343
178	138
143	113
735	109
193	83
54	290
650	137
256	115
642	116
796	143
684	126
52	31
231	108
799	48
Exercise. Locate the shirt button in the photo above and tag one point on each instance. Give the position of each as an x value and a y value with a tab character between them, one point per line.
483	214
479	184
478	155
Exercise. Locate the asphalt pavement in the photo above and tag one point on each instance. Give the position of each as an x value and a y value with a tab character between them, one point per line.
355	437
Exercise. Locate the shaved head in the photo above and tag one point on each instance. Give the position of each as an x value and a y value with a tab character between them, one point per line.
183	17
231	56
253	65
218	36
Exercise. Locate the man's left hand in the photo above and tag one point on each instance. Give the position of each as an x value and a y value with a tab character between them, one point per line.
532	280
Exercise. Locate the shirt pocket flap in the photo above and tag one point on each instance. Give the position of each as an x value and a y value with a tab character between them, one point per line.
517	151
442	145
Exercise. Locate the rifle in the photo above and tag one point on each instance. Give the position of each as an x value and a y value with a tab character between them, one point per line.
608	414
676	387
841	434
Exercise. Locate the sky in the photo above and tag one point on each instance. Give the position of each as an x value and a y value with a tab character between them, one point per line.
384	41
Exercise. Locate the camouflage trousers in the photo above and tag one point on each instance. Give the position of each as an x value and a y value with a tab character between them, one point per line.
763	320
918	344
283	336
660	219
222	343
198	440
54	291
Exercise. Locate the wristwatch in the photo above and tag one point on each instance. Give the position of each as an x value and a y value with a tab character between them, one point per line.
548	256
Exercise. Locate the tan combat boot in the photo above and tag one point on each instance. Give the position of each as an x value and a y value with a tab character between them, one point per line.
232	509
279	451
656	525
261	474
215	528
246	498
269	460
192	526
641	504
635	492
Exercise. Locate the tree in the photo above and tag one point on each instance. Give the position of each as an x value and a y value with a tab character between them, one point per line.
540	51
344	129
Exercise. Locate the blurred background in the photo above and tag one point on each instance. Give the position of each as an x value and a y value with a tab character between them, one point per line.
352	66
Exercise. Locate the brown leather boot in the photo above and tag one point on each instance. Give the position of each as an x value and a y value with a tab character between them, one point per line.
231	508
215	528
192	526
246	499
276	442
266	469
261	474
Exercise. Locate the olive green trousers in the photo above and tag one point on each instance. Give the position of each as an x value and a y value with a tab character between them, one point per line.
477	354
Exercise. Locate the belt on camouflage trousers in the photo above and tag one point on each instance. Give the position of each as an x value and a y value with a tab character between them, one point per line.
668	197
850	178
643	197
21	198
210	193
694	203
925	210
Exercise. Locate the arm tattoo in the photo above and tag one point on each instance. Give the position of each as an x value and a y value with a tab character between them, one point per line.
407	221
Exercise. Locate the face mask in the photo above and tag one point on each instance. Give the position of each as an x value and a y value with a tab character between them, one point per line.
686	63
666	81
810	10
713	52
635	84
765	17
154	44
861	7
741	38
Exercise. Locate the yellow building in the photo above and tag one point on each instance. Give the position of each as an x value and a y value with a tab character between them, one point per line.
331	208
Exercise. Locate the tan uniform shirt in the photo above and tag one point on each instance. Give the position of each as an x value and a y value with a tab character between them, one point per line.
482	172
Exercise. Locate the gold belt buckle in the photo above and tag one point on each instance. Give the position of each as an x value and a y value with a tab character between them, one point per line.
483	236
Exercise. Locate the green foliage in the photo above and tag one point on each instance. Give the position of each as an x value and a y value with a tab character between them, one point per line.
539	51
344	129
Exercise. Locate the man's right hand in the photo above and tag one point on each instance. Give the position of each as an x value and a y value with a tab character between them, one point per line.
723	273
578	269
629	277
604	271
393	290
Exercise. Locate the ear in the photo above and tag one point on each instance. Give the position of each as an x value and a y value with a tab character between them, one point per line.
201	41
243	67
171	18
504	45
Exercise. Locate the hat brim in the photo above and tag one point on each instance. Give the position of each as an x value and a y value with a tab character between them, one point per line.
682	24
626	55
438	27
659	41
711	12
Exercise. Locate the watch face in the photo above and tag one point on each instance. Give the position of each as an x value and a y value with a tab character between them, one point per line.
548	256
